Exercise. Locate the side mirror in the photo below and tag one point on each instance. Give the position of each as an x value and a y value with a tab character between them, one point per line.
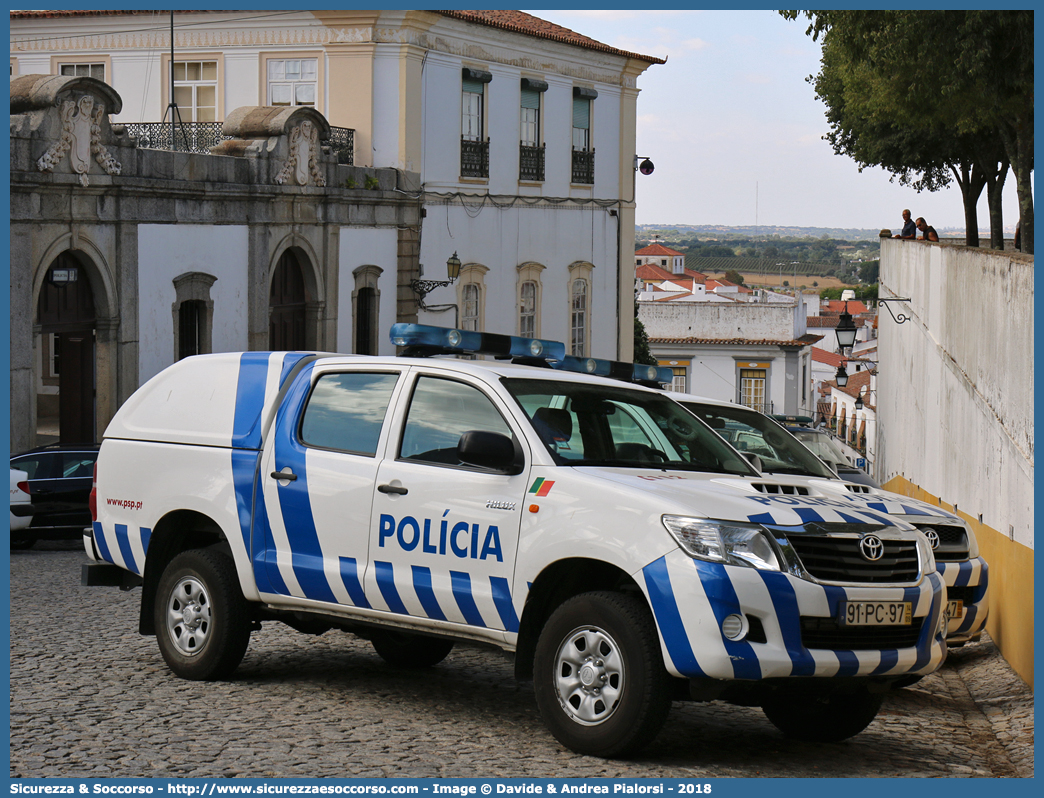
490	450
754	460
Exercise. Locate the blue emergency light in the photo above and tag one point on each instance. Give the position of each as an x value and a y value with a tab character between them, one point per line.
424	339
632	372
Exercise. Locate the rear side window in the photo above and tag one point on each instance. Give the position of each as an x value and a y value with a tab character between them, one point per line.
38	466
346	411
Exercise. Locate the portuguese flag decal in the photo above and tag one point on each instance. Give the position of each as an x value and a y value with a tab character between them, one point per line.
541	487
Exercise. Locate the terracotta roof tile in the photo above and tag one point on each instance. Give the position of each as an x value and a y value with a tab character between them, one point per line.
515	21
832	359
520	22
804	340
658	249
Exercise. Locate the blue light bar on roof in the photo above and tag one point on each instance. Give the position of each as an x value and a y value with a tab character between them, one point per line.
632	372
449	340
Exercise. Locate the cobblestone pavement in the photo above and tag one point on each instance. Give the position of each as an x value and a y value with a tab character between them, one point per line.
92	698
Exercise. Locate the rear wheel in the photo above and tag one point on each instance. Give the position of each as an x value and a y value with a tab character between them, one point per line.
599	678
202	620
826	718
406	650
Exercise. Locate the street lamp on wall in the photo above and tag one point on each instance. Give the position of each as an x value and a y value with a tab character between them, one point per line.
425	287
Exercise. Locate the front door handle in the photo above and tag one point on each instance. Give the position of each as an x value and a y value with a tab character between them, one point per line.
396	489
289	476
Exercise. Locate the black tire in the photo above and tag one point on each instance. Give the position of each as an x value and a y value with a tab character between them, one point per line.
599	677
202	620
826	718
21	544
406	650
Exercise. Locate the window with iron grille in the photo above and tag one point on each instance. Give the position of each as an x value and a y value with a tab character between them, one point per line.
474	146
195	90
531	152
293	81
583	152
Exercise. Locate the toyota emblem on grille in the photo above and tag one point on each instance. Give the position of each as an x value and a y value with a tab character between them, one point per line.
933	537
871	547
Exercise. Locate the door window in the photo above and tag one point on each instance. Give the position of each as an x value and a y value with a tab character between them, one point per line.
440	412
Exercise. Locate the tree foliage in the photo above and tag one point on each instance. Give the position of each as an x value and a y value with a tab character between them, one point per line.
920	92
734	276
642	353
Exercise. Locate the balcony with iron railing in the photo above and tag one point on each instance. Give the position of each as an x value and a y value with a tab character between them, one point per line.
531	162
474	158
199	137
583	166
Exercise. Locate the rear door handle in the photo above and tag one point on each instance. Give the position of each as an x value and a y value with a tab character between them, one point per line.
396	489
289	476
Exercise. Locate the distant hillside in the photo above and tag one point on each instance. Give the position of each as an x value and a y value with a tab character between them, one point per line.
762	232
759	266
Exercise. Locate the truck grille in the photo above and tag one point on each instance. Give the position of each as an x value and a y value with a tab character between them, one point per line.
839	559
953	542
826	633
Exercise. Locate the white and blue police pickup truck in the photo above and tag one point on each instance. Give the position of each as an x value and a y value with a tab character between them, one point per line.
626	554
797	470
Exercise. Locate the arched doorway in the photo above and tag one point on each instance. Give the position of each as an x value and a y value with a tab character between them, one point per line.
65	388
288	301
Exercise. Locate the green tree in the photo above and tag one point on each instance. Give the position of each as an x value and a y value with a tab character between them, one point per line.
869	271
642	354
934	83
734	276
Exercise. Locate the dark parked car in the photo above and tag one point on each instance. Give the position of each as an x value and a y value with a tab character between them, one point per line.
822	443
60	478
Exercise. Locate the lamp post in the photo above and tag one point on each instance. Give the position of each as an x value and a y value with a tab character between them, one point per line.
425	287
845	331
841	377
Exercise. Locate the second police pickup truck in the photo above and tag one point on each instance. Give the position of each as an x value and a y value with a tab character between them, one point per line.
626	554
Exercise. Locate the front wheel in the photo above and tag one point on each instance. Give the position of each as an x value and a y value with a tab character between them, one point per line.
599	678
826	718
202	620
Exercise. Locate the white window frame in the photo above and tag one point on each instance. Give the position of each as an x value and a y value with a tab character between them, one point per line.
319	82
194	87
472	106
218	82
579	317
472	281
87	60
530	273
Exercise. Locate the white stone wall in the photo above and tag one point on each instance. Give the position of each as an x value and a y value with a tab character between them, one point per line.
166	251
502	239
365	247
955	389
749	321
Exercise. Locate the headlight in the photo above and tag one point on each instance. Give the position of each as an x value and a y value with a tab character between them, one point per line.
724	541
924	546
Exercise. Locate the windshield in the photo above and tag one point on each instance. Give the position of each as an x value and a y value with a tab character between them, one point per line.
750	431
821	444
584	424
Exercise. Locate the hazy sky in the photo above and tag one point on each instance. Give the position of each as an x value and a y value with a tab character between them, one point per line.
736	132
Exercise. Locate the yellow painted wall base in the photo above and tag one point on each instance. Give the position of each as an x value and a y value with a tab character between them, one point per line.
1010	622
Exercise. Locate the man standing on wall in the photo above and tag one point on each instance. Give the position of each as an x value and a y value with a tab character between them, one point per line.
909	228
